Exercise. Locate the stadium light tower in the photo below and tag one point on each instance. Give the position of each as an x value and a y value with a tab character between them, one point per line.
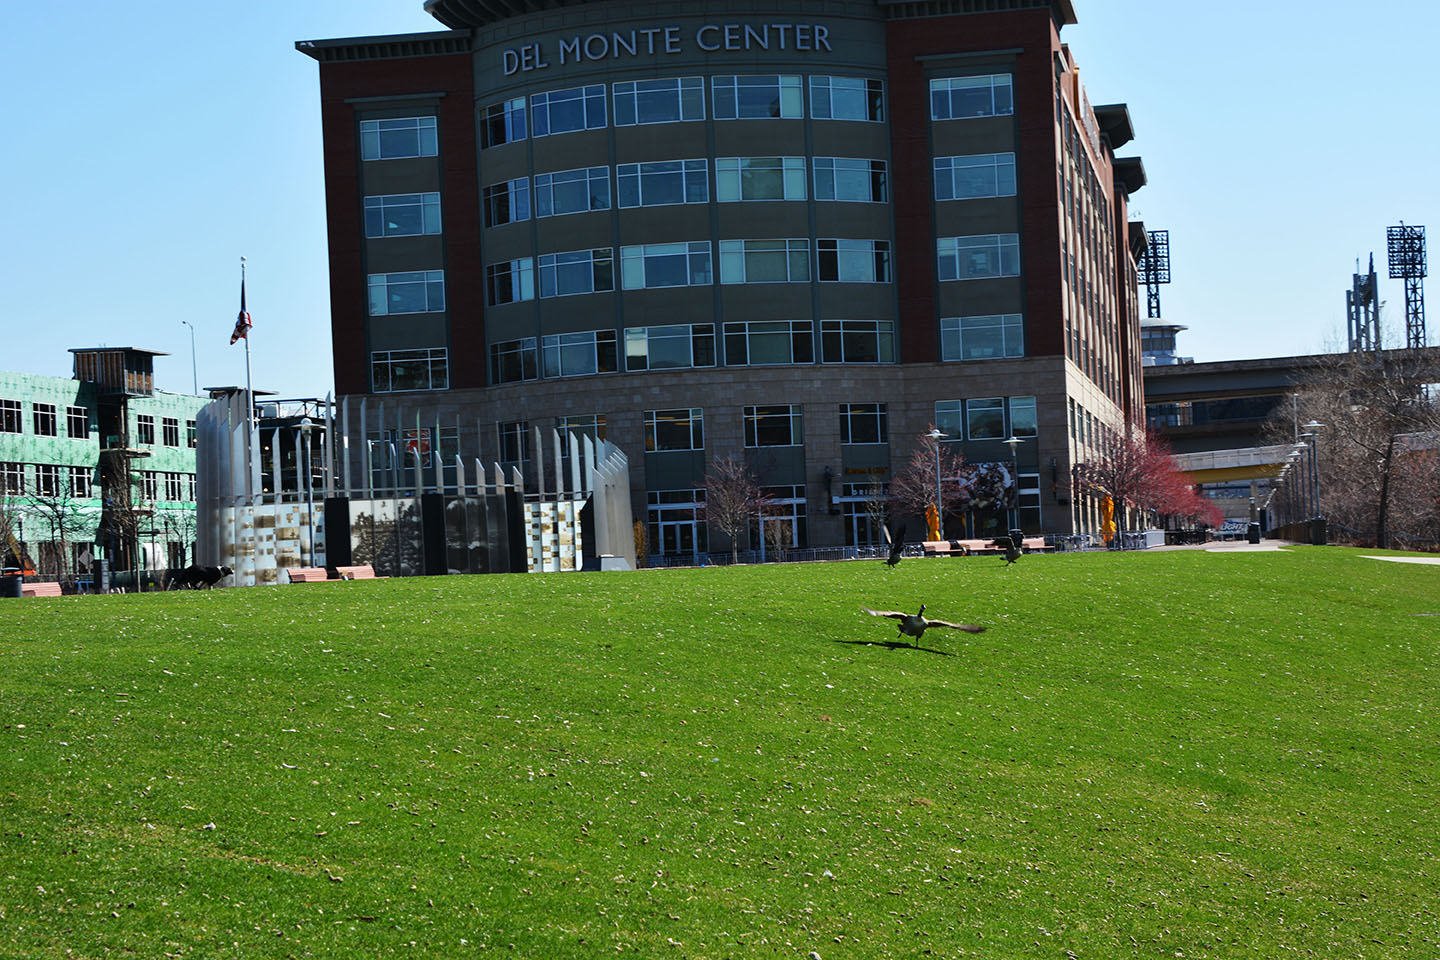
1362	306
1406	247
1154	269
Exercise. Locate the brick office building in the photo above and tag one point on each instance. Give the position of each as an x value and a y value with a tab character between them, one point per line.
712	230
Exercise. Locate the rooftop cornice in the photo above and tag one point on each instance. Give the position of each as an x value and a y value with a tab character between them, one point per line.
1130	174
468	14
438	44
1114	120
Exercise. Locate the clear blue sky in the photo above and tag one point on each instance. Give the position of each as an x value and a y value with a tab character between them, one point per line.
149	145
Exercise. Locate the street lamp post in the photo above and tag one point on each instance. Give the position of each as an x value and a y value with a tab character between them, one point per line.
1013	443
1313	429
306	425
194	377
936	436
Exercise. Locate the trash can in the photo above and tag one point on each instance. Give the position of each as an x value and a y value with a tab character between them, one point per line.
1252	532
10	584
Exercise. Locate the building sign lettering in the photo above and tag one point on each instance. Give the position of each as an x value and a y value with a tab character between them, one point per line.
649	41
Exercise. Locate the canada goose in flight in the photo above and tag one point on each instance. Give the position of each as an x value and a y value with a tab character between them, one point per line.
914	624
897	546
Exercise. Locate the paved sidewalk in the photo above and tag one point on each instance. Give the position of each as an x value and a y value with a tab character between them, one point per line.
1431	560
1229	546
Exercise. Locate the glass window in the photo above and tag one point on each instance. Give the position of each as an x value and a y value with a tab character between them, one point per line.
857	341
847	98
514	441
45	419
864	423
764	261
510	282
956	98
759	178
422	291
765	342
982	338
853	261
985	419
665	265
975	258
81	482
513	360
190	438
77	423
396	139
149	485
662	183
843	178
12	479
1023	422
758	98
672	347
10	416
780	425
589	425
659	101
170	431
507	202
676	522
682	429
145	429
980	175
47	480
396	371
564	111
502	122
174	487
579	354
579	271
572	191
402	215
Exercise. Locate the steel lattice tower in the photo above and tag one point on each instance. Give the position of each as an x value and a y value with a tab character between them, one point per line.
1154	269
1406	246
1362	306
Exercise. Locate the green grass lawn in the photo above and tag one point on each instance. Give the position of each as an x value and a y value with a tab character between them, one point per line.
1161	755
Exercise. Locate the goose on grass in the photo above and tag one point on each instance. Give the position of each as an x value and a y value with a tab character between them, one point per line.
914	624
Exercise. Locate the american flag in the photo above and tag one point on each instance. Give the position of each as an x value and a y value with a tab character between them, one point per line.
242	322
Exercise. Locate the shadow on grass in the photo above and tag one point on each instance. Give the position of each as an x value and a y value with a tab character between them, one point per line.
894	645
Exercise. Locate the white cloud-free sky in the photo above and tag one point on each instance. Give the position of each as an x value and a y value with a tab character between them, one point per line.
149	146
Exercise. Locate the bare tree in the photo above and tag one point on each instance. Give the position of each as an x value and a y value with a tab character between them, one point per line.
914	485
10	524
57	509
732	499
1376	451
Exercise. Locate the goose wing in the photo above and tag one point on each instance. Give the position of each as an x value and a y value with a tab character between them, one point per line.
892	614
967	627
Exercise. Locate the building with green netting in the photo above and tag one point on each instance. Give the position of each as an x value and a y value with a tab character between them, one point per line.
97	472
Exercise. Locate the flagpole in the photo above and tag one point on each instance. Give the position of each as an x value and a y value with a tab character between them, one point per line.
253	441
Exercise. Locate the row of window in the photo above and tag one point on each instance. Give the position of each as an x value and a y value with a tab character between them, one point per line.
646	267
682	99
679	100
170	431
672	182
782	425
45	422
45	419
55	480
659	265
685	346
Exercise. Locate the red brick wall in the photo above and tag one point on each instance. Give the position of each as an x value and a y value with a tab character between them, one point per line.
460	202
1034	32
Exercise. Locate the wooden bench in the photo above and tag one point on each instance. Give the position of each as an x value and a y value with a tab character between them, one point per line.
40	589
365	572
944	548
308	575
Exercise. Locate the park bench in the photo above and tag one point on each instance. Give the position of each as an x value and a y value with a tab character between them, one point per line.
51	589
308	575
364	572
